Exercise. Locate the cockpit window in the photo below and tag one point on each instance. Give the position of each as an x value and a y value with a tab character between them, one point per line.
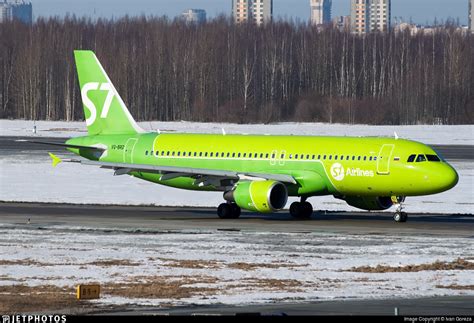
420	158
433	158
411	159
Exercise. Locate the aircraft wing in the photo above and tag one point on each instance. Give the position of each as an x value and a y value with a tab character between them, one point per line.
169	172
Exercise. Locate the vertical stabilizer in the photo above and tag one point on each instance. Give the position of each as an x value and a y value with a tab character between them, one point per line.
104	109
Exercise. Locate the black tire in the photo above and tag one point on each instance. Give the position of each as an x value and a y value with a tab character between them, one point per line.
307	210
295	209
301	210
400	217
404	217
235	211
224	211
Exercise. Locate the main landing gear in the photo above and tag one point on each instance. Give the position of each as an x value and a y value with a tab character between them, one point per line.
301	210
228	211
399	215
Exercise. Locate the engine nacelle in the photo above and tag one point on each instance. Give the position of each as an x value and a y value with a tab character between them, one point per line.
376	203
260	196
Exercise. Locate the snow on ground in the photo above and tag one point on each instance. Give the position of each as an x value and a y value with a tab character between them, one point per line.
429	134
31	178
240	267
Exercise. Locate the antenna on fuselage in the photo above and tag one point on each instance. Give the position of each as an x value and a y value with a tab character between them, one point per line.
395	134
223	132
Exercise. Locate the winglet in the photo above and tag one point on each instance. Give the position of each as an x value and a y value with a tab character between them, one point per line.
56	159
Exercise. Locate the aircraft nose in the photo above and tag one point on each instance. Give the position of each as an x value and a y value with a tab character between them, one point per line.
449	178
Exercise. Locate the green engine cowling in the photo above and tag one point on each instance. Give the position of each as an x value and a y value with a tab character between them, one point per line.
372	203
260	196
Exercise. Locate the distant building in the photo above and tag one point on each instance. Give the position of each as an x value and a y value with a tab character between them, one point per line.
5	12
320	12
471	15
18	9
258	11
194	16
370	15
342	22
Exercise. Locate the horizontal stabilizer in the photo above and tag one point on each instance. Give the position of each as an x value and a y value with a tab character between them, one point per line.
56	160
62	145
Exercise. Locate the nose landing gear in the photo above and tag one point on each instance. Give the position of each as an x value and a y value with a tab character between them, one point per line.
399	215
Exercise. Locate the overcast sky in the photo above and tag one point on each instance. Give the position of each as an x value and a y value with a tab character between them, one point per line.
419	11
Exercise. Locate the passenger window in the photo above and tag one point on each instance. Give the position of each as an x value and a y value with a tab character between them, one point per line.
282	156
179	153
307	156
335	157
205	155
273	156
296	156
420	158
433	158
261	155
146	153
167	153
319	157
375	158
245	155
370	158
324	157
228	154
353	157
233	155
330	157
157	153
314	156
238	155
195	154
211	154
172	154
365	157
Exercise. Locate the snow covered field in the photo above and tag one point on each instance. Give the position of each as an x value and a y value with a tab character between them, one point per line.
235	267
455	135
30	177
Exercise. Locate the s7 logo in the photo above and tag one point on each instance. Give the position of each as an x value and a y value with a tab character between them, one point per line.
94	86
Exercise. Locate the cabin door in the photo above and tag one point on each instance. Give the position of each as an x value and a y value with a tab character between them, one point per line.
383	160
128	151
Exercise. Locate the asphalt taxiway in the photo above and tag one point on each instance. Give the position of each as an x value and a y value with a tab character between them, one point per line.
172	218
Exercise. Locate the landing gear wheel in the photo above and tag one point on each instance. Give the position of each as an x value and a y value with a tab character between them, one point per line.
400	217
235	211
224	211
228	211
307	210
301	210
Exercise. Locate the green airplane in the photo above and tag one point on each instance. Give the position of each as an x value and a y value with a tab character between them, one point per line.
255	173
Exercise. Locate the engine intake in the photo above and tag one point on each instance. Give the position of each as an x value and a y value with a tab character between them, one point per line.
260	196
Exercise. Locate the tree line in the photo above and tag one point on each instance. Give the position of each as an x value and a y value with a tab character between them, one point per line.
219	71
